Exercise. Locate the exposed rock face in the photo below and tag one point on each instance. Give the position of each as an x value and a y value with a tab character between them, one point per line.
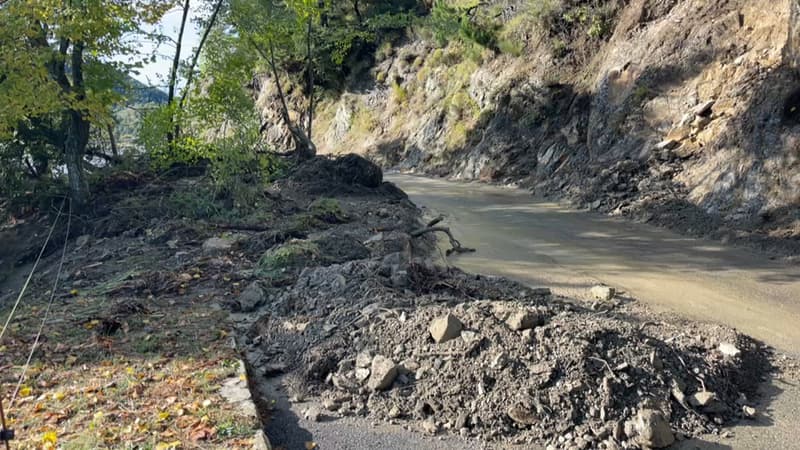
685	113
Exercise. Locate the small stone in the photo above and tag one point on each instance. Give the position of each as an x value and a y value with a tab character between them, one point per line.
655	361
702	399
384	371
749	412
703	109
364	359
362	374
217	245
668	144
652	429
82	240
251	298
522	416
445	328
312	413
602	292
395	412
728	349
429	426
330	404
523	320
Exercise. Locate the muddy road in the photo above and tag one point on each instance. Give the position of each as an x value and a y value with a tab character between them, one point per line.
543	243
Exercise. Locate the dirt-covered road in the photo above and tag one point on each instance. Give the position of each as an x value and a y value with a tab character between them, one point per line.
546	244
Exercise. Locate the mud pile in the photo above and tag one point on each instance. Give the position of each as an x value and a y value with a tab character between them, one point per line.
401	339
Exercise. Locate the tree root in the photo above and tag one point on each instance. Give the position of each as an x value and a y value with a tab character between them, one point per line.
432	228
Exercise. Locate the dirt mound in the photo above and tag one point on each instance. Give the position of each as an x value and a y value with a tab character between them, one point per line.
348	174
507	362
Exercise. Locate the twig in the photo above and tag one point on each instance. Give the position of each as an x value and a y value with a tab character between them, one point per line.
610	370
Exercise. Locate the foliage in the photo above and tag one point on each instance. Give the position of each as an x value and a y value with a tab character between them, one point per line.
328	210
290	254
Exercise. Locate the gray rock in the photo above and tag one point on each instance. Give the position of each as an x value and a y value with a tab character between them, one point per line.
703	109
524	320
383	372
749	412
82	240
251	298
522	415
602	292
362	374
668	144
217	245
364	359
702	399
260	441
445	328
651	429
728	349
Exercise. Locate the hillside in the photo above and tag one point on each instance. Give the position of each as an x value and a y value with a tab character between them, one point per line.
675	112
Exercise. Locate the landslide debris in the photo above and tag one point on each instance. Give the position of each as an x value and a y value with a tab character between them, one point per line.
395	335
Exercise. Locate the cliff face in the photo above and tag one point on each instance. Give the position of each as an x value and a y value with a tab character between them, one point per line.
685	113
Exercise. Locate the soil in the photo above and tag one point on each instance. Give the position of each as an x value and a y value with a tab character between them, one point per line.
324	292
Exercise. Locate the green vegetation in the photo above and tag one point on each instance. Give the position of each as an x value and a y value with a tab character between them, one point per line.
327	210
291	254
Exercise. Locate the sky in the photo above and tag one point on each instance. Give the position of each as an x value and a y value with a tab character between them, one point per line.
157	73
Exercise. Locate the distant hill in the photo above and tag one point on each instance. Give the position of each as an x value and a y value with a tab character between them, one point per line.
139	93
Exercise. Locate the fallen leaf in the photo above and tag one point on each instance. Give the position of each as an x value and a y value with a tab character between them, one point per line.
311	445
174	445
25	391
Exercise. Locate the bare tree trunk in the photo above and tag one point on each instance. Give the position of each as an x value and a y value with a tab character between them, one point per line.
196	56
113	140
310	70
304	147
173	74
357	11
77	134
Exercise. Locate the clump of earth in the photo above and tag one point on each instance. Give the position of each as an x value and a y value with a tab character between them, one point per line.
391	333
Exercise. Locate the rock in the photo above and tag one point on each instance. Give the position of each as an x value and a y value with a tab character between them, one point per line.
383	373
330	404
82	240
668	144
312	413
364	359
602	292
523	320
651	429
217	245
522	415
749	412
655	361
395	412
429	426
728	349
260	441
703	109
251	298
362	374
445	328
702	399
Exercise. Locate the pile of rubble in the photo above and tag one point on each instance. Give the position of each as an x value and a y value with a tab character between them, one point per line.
401	339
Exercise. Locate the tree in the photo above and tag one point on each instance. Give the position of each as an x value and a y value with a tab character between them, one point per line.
272	30
59	75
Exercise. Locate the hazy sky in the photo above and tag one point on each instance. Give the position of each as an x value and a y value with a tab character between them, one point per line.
157	73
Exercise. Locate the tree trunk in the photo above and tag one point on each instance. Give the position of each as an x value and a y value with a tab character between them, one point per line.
74	148
303	145
77	133
113	140
196	56
173	73
310	70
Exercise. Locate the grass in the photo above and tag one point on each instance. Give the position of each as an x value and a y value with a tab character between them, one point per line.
327	210
290	254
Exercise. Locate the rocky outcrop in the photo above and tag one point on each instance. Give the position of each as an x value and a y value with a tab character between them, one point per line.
686	113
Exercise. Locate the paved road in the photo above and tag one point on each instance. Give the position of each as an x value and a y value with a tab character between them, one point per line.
542	243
